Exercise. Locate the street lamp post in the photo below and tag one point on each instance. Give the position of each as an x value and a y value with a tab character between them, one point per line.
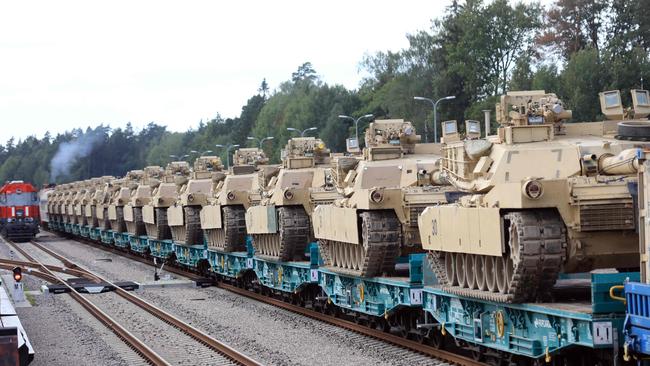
356	123
228	148
302	133
435	115
202	153
262	141
179	158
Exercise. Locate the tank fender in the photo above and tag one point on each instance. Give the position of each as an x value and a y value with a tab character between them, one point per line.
211	217
261	220
452	228
336	223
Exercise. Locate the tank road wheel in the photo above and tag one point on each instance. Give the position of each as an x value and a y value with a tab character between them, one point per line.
234	219
479	270
460	269
470	270
295	232
450	268
501	275
490	273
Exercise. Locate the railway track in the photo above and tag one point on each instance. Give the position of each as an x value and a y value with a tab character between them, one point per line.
445	357
159	325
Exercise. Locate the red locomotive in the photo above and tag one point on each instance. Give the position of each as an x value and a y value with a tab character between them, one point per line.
19	211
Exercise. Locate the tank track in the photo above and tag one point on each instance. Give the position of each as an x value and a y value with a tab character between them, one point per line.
119	225
541	248
162	229
294	233
139	222
381	236
232	236
193	232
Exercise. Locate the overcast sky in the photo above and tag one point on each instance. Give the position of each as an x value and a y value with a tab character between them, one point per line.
66	64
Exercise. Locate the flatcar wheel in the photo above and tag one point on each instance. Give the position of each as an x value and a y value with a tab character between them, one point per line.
450	268
479	272
490	273
470	270
460	269
501	275
477	353
436	338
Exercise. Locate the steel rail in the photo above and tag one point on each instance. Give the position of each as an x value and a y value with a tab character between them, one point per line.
138	346
159	313
373	333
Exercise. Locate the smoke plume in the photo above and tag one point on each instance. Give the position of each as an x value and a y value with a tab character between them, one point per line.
71	151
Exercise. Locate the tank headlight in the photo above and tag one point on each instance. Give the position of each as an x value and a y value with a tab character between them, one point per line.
376	196
288	194
230	196
190	197
533	189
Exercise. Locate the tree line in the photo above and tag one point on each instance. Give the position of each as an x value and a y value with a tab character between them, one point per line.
475	51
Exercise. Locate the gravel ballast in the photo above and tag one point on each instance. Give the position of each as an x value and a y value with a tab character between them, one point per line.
266	333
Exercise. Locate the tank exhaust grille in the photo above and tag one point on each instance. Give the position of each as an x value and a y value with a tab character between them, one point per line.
615	216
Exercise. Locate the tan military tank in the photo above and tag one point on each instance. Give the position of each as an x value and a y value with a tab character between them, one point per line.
53	207
68	203
121	195
281	225
84	203
103	201
223	219
154	213
96	199
383	192
542	197
140	195
184	215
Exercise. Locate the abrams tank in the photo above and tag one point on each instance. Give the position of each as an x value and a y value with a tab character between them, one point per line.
86	204
68	203
541	197
102	200
383	192
224	218
53	206
281	225
183	216
146	181
154	213
96	200
121	195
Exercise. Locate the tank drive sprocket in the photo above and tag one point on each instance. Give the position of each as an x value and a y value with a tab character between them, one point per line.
294	233
527	272
381	238
232	236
